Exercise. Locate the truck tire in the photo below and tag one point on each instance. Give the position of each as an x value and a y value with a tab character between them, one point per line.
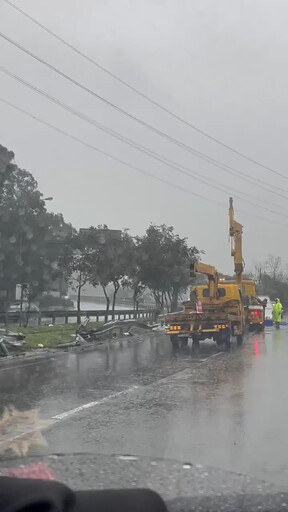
184	342
227	344
239	339
227	341
219	340
195	343
174	340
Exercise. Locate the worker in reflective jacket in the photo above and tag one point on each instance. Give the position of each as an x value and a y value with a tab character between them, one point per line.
277	313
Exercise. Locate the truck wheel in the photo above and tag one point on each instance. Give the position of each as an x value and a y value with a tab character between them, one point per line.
227	344
219	340
184	342
239	339
174	341
227	341
195	343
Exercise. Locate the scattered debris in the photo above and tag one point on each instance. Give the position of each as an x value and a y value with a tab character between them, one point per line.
19	430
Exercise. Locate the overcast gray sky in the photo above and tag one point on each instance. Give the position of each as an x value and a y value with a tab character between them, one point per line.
221	65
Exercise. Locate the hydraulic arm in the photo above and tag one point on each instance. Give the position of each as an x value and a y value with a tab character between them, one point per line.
210	272
235	232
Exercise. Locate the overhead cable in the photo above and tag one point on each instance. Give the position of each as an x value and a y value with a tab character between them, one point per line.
182	169
130	166
139	121
143	95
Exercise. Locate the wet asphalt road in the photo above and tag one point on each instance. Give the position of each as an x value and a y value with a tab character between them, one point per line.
224	410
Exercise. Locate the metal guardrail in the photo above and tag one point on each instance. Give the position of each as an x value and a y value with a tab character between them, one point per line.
96	315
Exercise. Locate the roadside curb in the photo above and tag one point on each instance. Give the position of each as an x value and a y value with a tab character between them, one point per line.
39	354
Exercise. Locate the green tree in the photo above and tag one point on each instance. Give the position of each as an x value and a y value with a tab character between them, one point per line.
134	273
26	230
6	158
272	278
165	264
75	266
109	261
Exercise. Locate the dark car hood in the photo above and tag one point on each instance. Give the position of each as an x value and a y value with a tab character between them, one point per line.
183	486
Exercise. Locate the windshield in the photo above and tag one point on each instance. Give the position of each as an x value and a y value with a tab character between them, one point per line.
136	138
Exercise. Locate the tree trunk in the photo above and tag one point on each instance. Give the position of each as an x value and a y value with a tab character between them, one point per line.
116	288
135	307
79	304
107	303
135	302
27	313
157	299
162	302
174	300
61	287
10	295
155	295
167	302
21	306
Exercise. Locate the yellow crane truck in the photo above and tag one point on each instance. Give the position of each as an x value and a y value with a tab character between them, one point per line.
214	311
253	306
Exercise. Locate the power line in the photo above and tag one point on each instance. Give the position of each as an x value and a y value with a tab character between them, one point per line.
140	121
91	146
126	164
143	95
184	170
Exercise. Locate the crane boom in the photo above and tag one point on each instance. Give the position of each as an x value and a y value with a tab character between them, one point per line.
210	272
235	232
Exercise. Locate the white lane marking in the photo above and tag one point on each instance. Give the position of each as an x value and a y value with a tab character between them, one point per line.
89	405
63	416
22	365
213	355
71	412
127	457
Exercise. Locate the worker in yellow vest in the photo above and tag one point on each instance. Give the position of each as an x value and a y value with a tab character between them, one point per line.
277	313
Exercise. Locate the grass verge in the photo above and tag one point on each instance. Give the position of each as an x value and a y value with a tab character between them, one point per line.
48	336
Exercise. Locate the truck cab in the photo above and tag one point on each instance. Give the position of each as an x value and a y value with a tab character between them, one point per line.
226	293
